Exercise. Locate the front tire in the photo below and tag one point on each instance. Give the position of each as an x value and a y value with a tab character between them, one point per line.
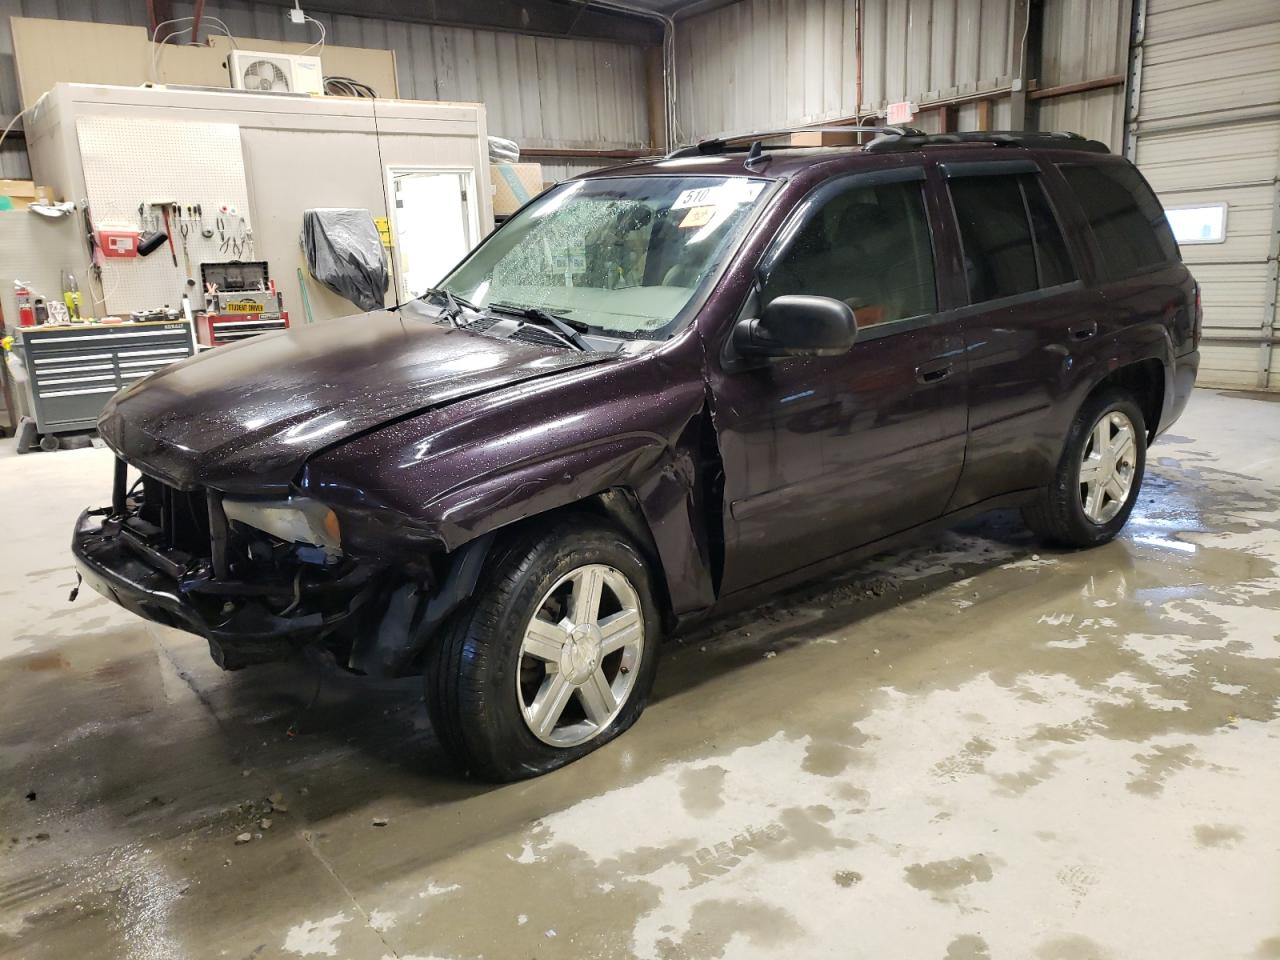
553	657
1098	477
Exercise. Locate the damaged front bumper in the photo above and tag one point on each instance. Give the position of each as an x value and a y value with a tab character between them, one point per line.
261	577
244	621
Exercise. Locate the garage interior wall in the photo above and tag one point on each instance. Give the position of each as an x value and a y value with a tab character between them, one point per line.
1084	41
1205	103
759	64
540	91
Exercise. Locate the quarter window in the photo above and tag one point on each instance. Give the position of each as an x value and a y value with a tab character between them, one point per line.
1012	242
1127	219
869	247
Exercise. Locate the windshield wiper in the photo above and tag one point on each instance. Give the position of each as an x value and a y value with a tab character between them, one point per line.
452	305
570	330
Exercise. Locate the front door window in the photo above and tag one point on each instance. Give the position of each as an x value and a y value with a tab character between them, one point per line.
868	246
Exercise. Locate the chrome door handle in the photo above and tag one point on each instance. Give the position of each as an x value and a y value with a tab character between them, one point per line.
1084	331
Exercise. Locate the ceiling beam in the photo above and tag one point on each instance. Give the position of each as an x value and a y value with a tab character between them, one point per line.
548	18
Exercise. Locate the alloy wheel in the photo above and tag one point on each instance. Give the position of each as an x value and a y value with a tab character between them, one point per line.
1107	467
579	655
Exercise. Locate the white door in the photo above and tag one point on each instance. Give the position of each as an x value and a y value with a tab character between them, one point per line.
433	225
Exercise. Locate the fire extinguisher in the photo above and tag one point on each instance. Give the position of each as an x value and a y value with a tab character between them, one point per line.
26	311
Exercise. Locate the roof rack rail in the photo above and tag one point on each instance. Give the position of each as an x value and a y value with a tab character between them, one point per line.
896	139
745	141
1059	139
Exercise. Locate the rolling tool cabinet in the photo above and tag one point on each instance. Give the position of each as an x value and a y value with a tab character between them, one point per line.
72	370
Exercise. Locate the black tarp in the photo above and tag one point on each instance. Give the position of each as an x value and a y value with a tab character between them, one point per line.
345	253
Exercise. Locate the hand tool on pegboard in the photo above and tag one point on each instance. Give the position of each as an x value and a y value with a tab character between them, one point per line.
165	206
149	237
95	252
173	251
184	228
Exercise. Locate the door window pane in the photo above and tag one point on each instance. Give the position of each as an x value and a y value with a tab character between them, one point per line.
1012	241
1052	258
1127	219
869	247
998	258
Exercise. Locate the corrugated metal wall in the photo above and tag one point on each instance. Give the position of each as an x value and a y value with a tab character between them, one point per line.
557	169
542	92
1085	40
1208	131
768	63
539	91
749	65
763	63
758	64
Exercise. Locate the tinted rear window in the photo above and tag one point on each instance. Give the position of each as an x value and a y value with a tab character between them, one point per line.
1127	219
1012	242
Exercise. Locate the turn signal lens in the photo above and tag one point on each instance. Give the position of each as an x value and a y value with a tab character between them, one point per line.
331	526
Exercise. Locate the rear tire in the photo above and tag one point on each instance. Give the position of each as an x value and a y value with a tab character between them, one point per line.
1098	476
553	657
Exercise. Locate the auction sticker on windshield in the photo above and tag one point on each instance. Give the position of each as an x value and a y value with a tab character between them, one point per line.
730	193
698	217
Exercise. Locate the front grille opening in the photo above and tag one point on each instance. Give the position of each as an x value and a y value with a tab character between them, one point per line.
181	517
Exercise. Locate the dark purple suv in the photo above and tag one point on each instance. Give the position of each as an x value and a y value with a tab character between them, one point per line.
658	392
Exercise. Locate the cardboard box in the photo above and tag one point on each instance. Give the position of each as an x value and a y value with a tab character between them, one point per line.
19	194
18	189
824	138
514	185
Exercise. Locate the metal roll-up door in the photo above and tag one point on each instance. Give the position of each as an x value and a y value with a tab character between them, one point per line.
1204	127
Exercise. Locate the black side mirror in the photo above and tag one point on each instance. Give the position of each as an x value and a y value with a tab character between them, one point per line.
797	326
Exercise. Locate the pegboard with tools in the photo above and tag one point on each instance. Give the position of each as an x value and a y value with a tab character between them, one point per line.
148	176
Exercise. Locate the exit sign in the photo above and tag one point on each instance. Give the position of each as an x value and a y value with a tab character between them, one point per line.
901	112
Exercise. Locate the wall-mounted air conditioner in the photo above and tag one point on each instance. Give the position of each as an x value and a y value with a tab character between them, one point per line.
275	72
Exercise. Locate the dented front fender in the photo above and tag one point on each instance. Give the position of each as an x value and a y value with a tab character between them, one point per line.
487	462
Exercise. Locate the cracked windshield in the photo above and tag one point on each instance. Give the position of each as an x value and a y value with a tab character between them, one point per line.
621	255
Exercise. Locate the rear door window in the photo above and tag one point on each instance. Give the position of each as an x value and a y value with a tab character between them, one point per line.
1012	241
1053	262
868	246
1127	220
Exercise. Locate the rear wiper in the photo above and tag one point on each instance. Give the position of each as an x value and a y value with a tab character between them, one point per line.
570	330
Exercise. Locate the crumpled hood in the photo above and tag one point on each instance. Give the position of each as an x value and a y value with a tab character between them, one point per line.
244	418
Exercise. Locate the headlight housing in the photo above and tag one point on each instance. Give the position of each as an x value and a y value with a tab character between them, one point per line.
293	520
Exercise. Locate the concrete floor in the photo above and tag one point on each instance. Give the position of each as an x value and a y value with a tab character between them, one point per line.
972	749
